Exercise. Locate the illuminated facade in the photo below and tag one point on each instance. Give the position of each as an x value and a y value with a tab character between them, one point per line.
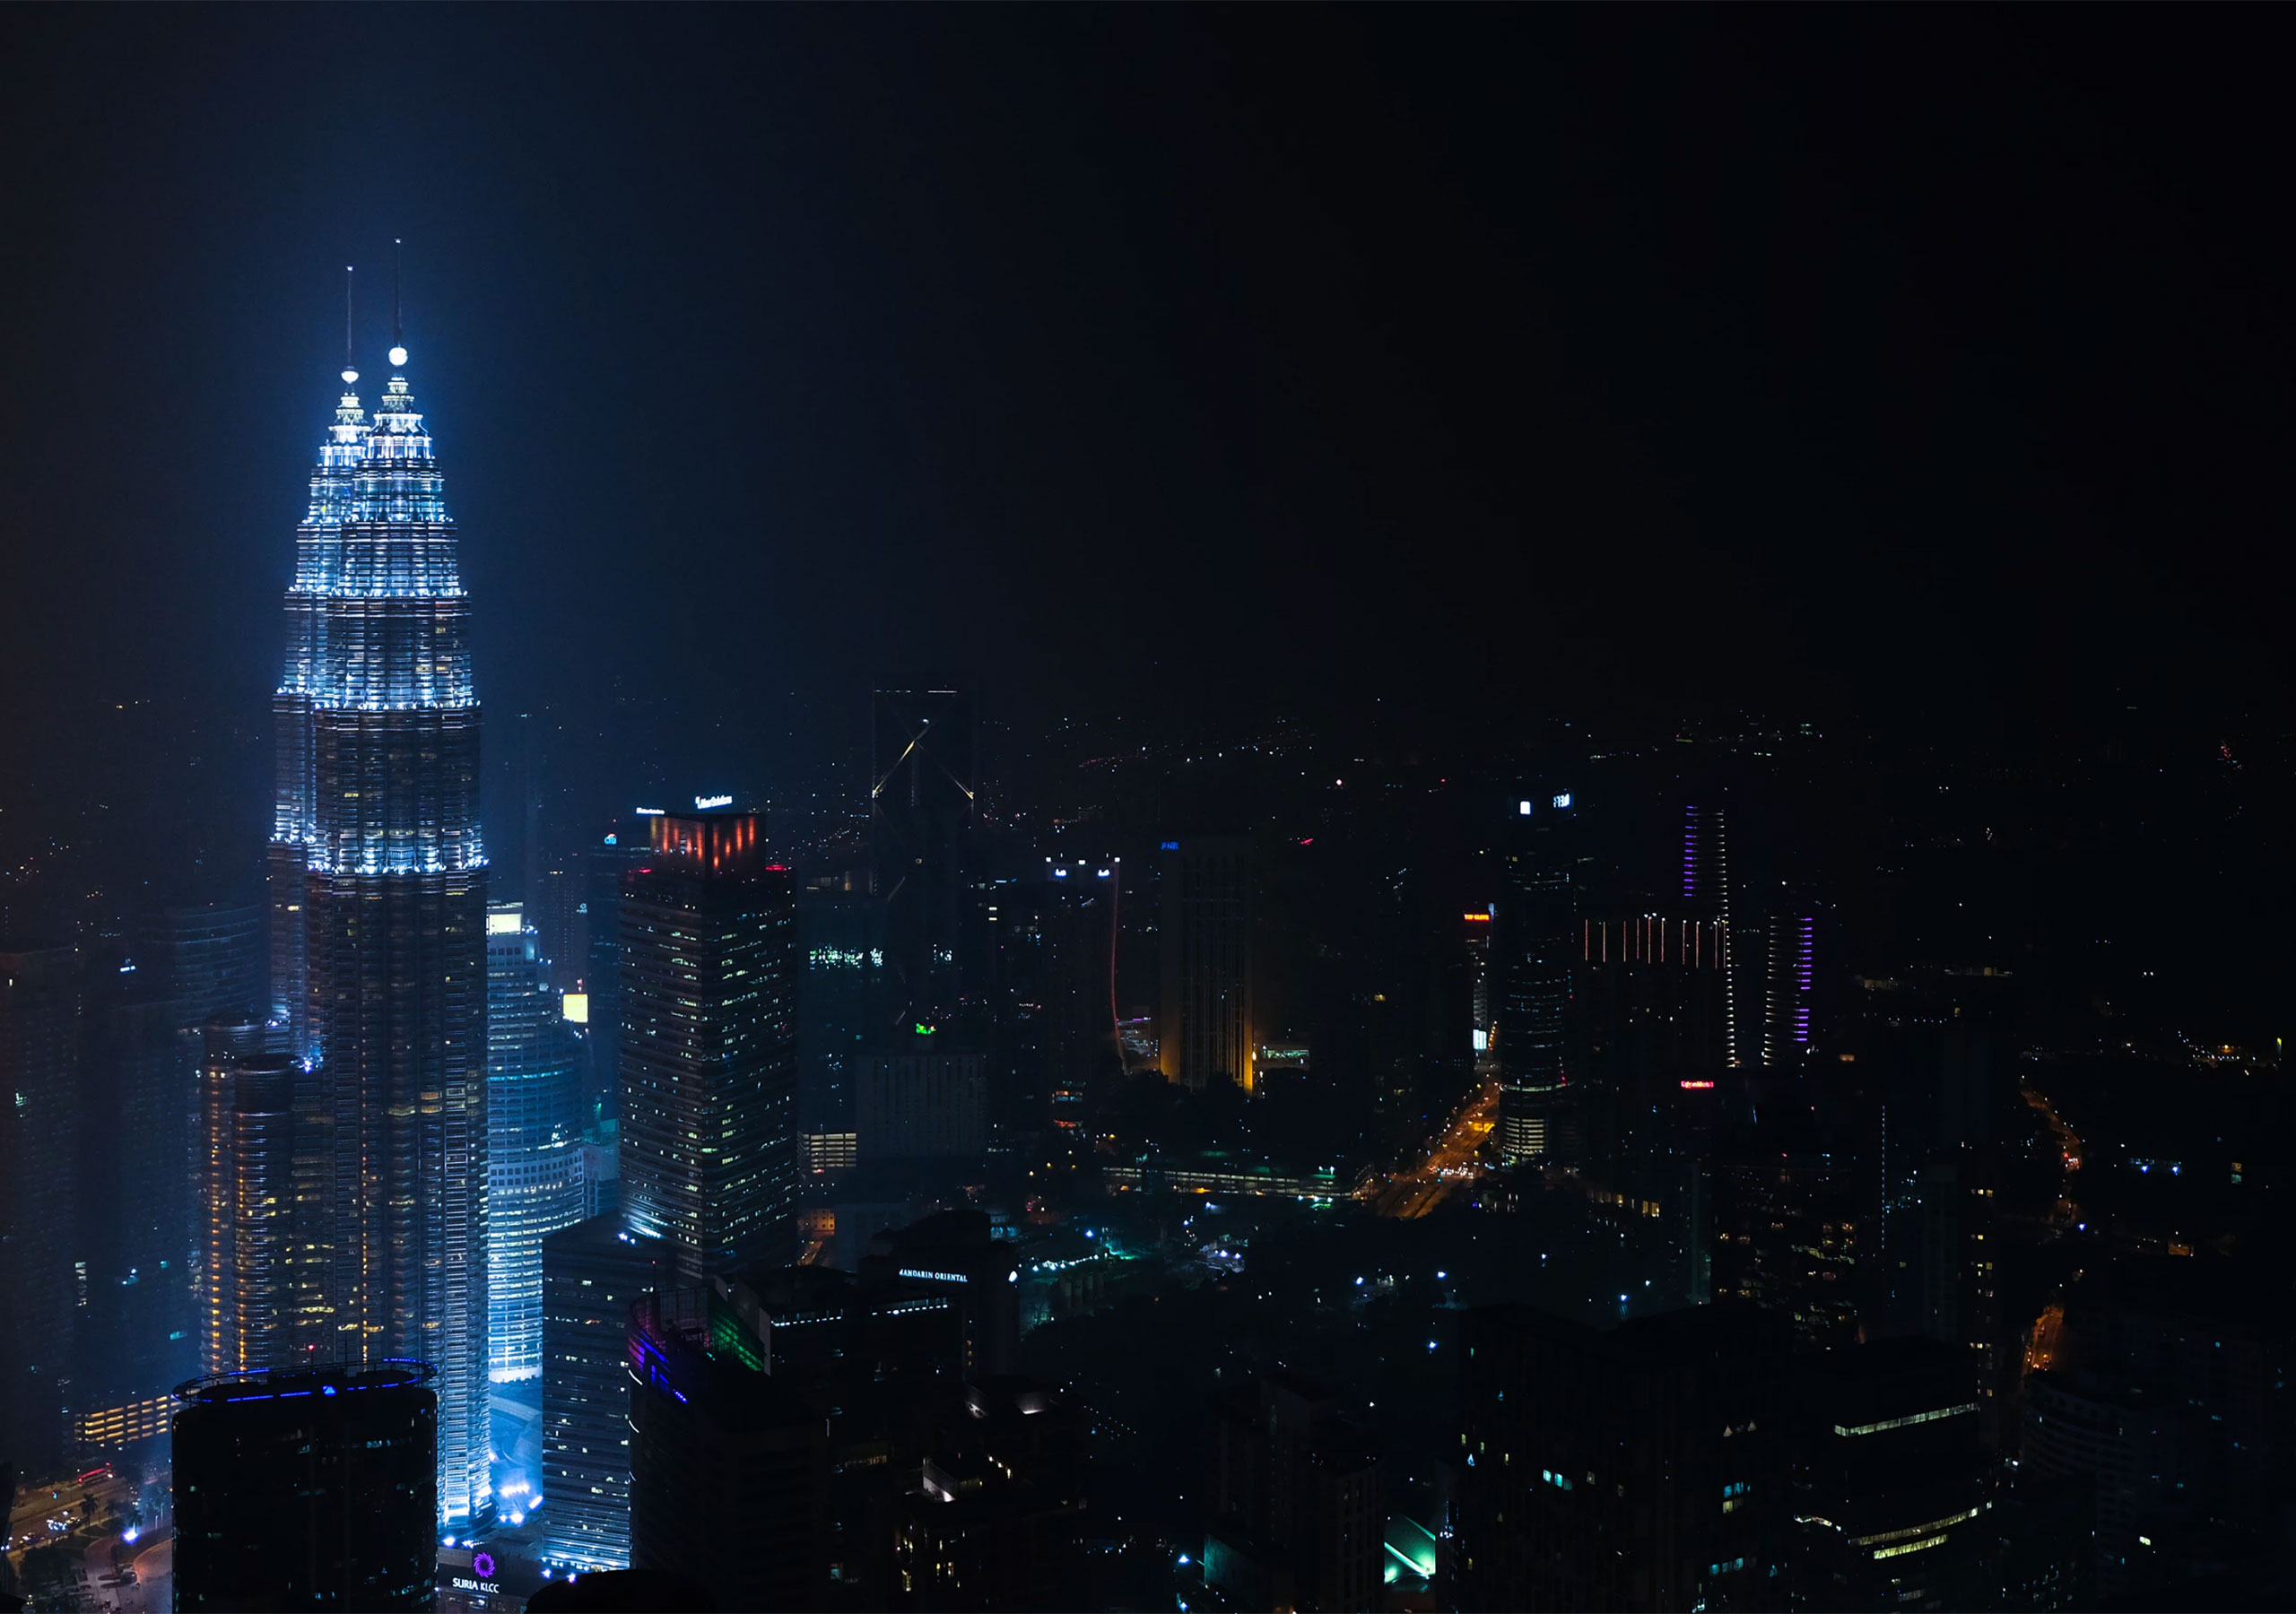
377	897
709	968
592	1272
247	1211
1788	982
1706	888
534	1155
1207	1031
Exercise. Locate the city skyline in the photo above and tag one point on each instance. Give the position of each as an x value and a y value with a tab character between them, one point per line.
1459	808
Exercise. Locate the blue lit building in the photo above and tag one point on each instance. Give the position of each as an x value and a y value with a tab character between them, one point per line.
378	899
534	1136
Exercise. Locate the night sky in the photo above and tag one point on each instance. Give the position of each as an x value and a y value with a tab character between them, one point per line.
1925	365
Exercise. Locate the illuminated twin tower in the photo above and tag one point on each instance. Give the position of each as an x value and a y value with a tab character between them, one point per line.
378	894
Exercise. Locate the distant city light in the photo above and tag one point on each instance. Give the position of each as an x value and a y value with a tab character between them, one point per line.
1562	800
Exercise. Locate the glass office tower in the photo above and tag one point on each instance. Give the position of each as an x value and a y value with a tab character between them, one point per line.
534	1138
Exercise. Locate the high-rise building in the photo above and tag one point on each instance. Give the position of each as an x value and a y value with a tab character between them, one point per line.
920	1105
1293	1490
1535	946
1790	986
560	912
248	1208
1645	1467
592	1272
880	1357
995	1522
308	1489
955	1254
38	1291
1794	1233
709	1144
1052	939
1706	892
136	1092
533	1154
921	789
729	1472
1891	1483
378	909
844	1004
620	851
1207	1032
1648	1034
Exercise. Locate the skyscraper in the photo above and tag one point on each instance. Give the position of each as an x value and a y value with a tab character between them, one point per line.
38	1063
843	1007
921	807
533	1154
247	1211
378	908
708	1047
603	866
1706	891
307	1489
1790	978
592	1272
1206	1032
1534	945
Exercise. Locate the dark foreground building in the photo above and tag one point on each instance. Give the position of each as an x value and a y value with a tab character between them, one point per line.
1640	1467
729	1472
309	1489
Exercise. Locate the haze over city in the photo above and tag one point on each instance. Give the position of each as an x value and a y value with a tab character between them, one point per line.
995	808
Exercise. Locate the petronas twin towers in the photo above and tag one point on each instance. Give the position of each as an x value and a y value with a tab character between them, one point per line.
378	894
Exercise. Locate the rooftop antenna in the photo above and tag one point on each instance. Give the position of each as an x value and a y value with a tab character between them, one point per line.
350	368
398	280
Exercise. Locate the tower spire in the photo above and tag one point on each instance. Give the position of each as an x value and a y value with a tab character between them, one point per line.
398	284
350	365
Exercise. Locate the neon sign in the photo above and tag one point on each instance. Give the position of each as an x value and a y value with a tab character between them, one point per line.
704	803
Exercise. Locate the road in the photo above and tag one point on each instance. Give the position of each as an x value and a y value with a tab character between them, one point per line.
2067	1211
27	1525
1451	1160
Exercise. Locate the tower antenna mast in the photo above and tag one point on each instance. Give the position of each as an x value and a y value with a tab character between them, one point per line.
350	365
398	280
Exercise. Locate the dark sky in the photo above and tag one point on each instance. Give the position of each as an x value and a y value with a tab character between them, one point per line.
1177	363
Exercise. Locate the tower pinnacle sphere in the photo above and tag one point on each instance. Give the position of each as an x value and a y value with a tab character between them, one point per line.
398	355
